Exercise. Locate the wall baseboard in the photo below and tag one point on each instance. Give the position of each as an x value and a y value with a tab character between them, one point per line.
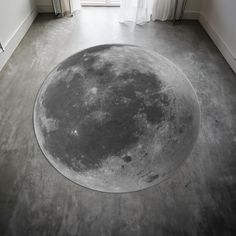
219	42
191	15
16	37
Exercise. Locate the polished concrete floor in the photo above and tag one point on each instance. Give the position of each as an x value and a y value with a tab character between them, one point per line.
198	199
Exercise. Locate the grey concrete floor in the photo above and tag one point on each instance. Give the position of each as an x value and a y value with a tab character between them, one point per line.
199	199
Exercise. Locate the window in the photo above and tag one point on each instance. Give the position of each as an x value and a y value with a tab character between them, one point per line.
100	2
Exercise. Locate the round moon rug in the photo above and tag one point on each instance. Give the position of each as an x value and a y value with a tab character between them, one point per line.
116	118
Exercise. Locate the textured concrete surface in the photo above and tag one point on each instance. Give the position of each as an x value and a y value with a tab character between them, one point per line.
116	118
35	199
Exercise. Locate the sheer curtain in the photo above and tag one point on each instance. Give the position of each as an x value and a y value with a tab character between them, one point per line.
138	11
66	7
166	9
162	9
141	11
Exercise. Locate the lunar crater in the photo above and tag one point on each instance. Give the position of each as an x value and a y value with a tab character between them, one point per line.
116	118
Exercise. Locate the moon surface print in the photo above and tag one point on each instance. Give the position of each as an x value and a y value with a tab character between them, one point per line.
116	118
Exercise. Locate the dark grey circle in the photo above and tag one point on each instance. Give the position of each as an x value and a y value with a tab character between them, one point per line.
116	118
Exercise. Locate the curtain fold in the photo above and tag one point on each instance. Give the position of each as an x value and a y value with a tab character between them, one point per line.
66	7
138	11
162	9
141	11
167	9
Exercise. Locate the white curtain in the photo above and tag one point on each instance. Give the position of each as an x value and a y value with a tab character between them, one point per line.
138	11
66	7
162	9
165	9
141	11
75	5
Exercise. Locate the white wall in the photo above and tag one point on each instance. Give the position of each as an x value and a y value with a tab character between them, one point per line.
44	5
16	17
218	17
13	13
194	5
192	10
